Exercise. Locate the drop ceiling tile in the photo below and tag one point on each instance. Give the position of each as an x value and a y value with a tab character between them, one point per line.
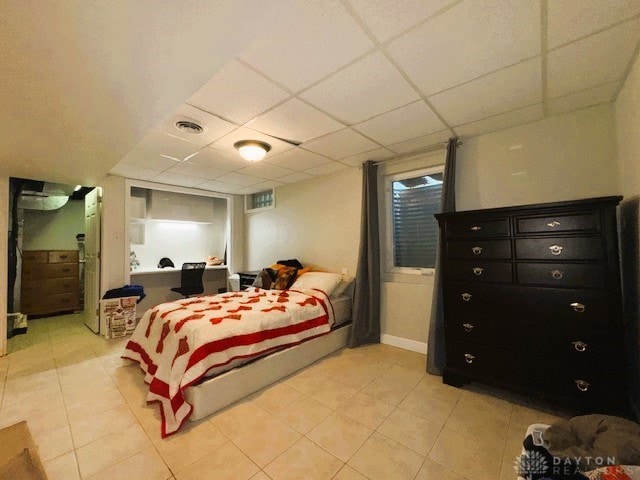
212	158
144	158
375	155
239	179
162	143
501	121
327	169
388	18
571	20
312	40
404	123
341	144
514	87
133	171
585	98
248	190
243	133
237	93
216	186
298	159
363	90
295	120
214	127
178	179
592	61
422	142
471	39
195	170
295	177
267	185
264	170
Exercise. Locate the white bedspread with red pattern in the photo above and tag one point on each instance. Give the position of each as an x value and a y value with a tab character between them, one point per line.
178	343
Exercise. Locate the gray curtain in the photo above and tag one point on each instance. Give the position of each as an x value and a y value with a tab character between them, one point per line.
435	343
365	326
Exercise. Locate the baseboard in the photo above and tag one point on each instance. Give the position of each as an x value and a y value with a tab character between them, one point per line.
412	345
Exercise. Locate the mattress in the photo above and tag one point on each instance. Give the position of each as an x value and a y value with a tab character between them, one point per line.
341	310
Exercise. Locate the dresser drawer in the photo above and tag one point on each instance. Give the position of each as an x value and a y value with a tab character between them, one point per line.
34	256
50	270
561	274
481	361
63	256
50	303
478	329
498	249
52	286
582	222
480	271
478	228
560	248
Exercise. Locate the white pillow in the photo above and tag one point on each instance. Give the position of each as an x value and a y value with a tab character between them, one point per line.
318	280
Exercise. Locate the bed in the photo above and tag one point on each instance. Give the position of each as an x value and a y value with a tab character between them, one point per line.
201	354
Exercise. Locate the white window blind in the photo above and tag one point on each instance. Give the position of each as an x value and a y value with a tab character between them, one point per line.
415	230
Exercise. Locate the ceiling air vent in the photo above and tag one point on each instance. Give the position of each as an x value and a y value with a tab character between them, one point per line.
189	127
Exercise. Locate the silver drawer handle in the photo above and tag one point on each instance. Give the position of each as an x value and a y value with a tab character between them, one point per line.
580	346
578	307
553	224
582	385
466	297
476	250
557	274
469	358
555	249
478	271
467	327
476	228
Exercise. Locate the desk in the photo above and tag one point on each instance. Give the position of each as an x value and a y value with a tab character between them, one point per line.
157	284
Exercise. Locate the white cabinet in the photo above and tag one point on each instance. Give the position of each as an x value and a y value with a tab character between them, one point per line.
180	207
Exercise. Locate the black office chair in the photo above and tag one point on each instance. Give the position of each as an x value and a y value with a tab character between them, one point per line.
191	279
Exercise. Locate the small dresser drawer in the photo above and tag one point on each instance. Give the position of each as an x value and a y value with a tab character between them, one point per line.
52	286
50	270
63	256
478	228
499	272
34	256
561	275
481	361
479	329
584	222
560	248
498	249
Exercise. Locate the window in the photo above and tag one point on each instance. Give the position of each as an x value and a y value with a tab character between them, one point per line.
412	235
260	200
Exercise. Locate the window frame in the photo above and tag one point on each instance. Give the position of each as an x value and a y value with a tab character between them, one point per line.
248	199
390	245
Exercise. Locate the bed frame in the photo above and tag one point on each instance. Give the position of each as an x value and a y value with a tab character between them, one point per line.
218	392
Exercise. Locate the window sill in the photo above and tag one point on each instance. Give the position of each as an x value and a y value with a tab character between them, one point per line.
415	278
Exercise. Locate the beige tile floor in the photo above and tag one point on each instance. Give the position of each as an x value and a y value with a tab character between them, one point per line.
368	413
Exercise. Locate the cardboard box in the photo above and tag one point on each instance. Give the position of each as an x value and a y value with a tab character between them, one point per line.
118	315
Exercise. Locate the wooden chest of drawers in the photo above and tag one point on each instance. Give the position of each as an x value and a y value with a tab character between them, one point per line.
532	301
50	282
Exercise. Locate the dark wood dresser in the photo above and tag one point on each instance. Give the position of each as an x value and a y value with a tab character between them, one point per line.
532	301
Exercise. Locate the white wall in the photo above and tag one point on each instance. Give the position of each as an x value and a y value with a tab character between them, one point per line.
53	229
627	111
565	157
316	221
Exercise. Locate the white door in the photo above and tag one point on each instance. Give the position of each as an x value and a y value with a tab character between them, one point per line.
92	259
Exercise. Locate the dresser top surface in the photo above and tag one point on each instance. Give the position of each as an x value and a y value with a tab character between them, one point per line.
564	205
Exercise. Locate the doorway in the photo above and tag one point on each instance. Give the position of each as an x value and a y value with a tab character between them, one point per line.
47	274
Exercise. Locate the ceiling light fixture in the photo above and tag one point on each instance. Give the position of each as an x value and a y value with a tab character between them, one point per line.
78	187
252	150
